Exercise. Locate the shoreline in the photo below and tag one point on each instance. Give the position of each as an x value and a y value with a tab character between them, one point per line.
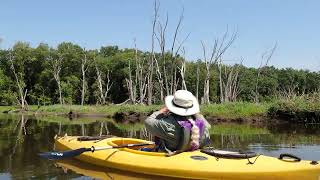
237	112
136	117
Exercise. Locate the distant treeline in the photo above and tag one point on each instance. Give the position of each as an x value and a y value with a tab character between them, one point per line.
70	74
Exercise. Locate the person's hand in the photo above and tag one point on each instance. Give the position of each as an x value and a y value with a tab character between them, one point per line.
164	110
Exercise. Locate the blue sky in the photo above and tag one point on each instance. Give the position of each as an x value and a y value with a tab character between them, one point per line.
293	24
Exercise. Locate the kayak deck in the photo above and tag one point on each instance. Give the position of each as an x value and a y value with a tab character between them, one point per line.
192	165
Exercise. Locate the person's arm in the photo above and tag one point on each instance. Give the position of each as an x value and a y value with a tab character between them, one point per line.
153	116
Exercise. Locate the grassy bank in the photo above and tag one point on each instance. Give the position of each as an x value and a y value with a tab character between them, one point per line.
226	110
237	129
235	110
107	110
309	102
305	108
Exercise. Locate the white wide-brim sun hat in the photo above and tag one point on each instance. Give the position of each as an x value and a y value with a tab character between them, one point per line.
182	103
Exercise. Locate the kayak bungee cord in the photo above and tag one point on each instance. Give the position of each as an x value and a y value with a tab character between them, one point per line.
248	158
249	162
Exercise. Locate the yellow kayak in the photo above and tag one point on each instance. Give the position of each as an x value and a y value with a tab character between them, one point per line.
191	165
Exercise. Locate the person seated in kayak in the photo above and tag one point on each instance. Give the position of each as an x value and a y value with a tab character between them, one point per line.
179	126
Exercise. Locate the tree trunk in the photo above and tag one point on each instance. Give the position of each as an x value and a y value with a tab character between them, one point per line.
20	83
56	67
84	68
151	60
131	86
197	84
183	71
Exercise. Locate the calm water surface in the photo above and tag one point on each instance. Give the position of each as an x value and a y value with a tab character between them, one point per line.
22	137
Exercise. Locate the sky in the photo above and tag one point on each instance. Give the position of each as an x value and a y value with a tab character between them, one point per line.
292	24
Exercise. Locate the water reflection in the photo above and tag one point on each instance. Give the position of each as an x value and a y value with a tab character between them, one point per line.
22	137
97	172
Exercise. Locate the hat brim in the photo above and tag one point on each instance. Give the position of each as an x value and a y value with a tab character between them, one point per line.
182	111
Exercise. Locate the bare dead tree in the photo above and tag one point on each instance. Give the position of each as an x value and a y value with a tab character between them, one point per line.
56	64
152	55
104	88
141	79
175	81
137	82
160	79
108	84
205	98
131	85
100	86
182	70
162	75
266	56
198	79
175	50
84	69
167	75
20	83
219	48
174	55
229	82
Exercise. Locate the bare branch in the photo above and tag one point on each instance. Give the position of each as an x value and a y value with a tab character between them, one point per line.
266	56
177	30
219	48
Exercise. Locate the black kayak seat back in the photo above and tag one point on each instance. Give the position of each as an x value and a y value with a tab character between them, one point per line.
228	154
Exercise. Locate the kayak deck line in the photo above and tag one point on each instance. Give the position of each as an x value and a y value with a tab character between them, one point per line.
193	165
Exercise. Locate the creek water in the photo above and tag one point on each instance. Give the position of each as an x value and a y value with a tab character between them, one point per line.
22	137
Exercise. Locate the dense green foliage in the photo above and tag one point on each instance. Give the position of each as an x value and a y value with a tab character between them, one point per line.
35	71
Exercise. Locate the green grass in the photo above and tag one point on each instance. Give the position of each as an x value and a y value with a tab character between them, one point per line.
309	102
6	108
128	127
108	109
235	110
302	109
237	129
